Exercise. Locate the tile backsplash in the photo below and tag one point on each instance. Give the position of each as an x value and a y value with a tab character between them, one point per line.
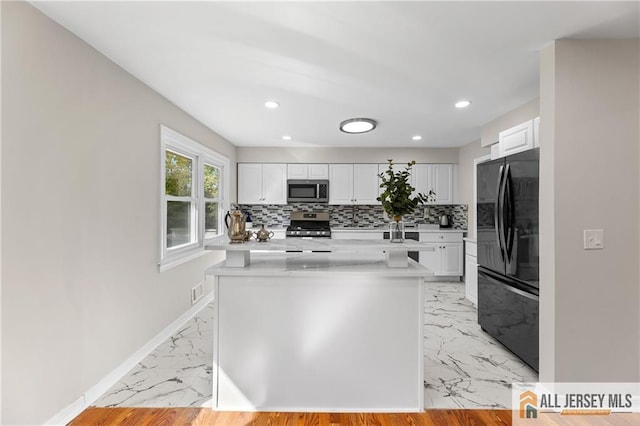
362	216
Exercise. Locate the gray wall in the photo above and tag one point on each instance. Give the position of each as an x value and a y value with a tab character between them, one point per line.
466	171
81	291
346	155
590	174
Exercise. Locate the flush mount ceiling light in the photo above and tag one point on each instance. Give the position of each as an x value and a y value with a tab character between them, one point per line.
271	104
463	104
417	138
286	137
358	125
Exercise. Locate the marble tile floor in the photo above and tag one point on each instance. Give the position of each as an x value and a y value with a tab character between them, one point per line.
464	367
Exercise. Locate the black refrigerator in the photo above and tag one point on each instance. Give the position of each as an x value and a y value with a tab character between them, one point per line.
508	260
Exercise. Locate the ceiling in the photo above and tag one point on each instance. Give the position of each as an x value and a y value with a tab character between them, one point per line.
403	64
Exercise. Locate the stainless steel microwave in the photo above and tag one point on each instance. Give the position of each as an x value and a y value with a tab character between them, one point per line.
308	191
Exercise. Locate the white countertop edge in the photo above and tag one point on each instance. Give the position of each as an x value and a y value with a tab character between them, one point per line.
320	244
319	264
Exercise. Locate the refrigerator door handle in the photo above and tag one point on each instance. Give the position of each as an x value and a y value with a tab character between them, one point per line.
508	222
497	213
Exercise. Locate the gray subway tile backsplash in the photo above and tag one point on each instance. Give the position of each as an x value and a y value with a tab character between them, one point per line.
362	216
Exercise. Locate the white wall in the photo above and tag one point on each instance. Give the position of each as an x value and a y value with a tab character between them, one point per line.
466	172
490	130
0	220
590	155
547	244
346	155
81	289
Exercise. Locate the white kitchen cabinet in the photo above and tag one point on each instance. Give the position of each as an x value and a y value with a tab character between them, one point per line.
438	178
353	184
262	183
443	183
432	259
517	138
471	271
340	183
318	171
307	171
446	259
452	259
536	132
365	184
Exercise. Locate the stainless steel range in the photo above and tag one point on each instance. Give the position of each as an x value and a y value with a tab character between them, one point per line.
309	224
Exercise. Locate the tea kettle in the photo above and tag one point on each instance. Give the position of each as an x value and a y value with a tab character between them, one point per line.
235	222
445	221
263	235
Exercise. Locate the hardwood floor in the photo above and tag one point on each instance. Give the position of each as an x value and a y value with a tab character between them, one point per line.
203	416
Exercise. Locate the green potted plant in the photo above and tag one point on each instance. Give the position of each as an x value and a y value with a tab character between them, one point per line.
398	199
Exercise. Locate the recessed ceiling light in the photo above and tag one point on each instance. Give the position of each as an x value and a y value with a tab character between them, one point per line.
286	137
358	125
271	104
417	138
463	104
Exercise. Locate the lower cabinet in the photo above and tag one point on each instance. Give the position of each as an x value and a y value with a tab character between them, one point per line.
471	272
446	258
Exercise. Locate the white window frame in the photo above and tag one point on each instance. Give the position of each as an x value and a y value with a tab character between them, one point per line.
182	145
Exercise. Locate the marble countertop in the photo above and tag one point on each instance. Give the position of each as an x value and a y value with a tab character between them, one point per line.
325	264
418	228
320	244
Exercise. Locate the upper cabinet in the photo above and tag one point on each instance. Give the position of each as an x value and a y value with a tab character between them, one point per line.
353	184
438	178
350	184
307	171
262	183
366	187
518	138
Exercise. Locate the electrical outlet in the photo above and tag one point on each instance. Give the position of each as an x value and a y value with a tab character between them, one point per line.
593	239
196	293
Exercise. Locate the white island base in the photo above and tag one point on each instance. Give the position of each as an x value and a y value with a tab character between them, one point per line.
319	332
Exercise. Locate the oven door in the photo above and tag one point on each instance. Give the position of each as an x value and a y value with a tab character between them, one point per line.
314	191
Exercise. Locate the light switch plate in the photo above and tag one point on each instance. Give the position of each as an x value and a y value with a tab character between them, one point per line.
593	239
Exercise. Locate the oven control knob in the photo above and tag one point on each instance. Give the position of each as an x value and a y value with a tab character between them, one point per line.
321	232
308	232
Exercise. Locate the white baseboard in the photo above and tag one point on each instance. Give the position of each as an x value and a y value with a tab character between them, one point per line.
90	396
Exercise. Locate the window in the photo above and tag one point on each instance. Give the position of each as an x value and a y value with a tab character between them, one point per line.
195	182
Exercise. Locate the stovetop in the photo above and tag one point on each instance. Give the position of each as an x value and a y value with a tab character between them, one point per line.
309	224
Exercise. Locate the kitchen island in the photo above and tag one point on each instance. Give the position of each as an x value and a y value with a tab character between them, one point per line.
239	254
318	331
